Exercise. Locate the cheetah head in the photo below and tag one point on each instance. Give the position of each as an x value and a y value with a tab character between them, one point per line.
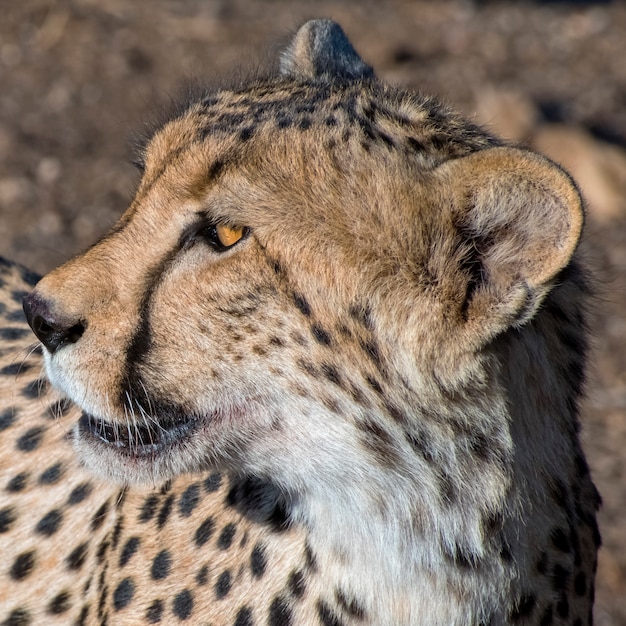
312	263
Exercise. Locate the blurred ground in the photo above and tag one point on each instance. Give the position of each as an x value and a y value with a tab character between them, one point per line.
78	77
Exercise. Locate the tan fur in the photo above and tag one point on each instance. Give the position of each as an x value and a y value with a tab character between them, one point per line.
385	369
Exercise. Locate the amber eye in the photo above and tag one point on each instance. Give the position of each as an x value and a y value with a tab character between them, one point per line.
229	235
221	237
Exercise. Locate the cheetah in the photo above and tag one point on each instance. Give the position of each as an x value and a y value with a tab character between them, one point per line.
324	370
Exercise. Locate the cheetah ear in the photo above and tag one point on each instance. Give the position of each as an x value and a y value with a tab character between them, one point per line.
520	217
321	50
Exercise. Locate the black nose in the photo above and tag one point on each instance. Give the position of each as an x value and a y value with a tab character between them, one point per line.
54	331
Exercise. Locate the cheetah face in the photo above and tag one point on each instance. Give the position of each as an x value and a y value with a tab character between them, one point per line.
308	261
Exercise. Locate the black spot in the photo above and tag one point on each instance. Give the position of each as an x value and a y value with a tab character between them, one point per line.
331	374
375	385
11	333
59	408
246	133
560	576
524	607
189	500
148	508
307	367
483	448
297	584
258	561
326	615
99	516
387	140
123	594
15	368
422	443
560	540
129	549
49	523
165	511
31	439
23	565
52	474
213	483
259	500
284	122
439	141
204	531
7	517
79	493
321	336
372	350
244	617
117	532
223	585
102	602
280	613
301	304
17	483
183	604
463	558
161	565
154	612
18	294
304	123
225	539
60	603
203	575
396	413
311	560
380	442
277	342
77	556
34	389
7	418
102	550
82	617
362	315
18	617
350	605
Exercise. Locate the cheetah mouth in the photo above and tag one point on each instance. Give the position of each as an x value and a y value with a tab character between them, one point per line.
137	440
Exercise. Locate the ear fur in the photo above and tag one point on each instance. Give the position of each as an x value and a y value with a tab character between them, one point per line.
520	218
321	50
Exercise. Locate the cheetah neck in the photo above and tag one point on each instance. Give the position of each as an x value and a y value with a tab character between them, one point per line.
383	538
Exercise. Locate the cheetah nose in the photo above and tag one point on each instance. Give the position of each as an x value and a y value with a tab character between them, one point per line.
54	331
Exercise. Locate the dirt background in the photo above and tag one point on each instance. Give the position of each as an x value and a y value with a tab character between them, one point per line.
78	79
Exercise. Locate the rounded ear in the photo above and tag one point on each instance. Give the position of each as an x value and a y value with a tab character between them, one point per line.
520	218
321	50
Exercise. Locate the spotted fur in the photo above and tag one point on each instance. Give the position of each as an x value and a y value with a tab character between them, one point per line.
359	408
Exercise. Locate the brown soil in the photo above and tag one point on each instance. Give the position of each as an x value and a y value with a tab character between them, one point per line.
77	78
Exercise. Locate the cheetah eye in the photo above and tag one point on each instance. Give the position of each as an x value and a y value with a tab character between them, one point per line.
221	237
